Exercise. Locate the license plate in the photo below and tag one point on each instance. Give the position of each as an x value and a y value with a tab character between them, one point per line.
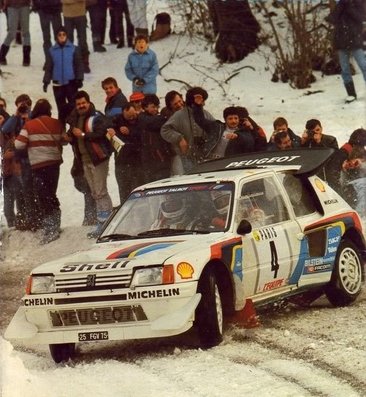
93	336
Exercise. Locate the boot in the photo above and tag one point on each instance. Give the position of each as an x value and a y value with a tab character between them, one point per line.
26	55
90	211
102	216
97	46
51	227
350	88
3	51
86	64
121	43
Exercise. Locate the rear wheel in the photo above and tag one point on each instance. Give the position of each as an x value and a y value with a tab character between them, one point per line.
62	352
346	281
209	313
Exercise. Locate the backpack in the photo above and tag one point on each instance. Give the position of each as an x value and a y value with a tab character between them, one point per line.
162	26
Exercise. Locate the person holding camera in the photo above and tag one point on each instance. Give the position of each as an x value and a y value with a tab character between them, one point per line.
313	136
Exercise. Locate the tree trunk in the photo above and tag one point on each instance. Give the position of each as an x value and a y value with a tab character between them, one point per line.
235	27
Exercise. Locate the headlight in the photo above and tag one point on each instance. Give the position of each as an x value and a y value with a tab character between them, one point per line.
41	285
147	276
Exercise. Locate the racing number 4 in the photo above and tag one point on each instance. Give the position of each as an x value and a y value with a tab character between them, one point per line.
274	259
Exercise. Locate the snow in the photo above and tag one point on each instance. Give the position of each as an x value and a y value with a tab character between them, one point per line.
296	352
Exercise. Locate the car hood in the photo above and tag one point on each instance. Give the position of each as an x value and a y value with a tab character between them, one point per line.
103	256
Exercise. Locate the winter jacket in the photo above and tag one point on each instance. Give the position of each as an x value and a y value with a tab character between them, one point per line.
95	128
115	104
73	8
143	66
47	6
131	151
244	143
182	125
347	18
63	64
42	137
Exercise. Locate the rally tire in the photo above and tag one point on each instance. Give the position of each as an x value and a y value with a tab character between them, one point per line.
346	280
62	352
209	313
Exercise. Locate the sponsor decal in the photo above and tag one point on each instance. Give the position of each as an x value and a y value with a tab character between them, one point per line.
185	270
261	161
319	268
320	185
332	201
266	233
162	293
140	249
82	267
273	284
37	301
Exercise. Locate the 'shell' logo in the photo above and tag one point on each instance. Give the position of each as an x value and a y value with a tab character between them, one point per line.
90	280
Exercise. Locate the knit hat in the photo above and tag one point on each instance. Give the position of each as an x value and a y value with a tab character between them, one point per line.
195	91
230	111
137	96
358	137
61	29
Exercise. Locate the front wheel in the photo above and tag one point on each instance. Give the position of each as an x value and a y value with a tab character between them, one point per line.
209	312
62	352
346	281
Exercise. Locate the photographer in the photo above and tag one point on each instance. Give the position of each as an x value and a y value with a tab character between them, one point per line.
313	136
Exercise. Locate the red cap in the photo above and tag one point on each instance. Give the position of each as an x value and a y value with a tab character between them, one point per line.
137	96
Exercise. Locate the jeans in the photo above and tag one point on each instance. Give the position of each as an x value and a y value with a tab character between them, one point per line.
64	98
344	58
46	19
18	16
98	16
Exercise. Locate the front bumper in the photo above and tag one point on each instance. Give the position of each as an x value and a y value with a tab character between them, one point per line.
160	318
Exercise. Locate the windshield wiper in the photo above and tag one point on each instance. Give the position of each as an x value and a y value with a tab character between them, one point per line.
116	237
167	232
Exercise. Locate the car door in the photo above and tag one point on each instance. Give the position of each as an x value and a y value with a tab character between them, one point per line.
270	250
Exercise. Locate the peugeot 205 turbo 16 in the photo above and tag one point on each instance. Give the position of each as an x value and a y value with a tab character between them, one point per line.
194	250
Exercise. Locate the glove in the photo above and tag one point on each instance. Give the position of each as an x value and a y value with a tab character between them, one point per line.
136	80
140	82
79	83
45	85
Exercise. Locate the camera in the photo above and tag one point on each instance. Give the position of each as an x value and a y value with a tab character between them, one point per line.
23	108
310	134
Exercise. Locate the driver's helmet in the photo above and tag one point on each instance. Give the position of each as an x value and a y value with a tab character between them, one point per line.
221	200
174	209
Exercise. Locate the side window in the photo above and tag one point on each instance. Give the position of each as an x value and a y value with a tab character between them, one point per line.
261	203
301	199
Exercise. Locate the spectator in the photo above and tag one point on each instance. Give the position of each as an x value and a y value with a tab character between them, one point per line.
87	134
248	124
128	170
173	102
49	12
119	9
64	67
45	159
222	139
74	12
115	99
2	104
185	135
156	152
282	141
136	99
280	124
98	15
313	136
17	13
347	18
19	186
142	67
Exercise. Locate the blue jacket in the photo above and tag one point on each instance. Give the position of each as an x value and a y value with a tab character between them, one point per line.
63	64
115	104
143	66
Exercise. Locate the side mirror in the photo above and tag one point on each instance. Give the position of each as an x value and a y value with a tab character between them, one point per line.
244	227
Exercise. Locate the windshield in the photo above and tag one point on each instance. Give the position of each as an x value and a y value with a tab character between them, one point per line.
201	208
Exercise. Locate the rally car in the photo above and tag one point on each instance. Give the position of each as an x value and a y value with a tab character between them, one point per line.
196	250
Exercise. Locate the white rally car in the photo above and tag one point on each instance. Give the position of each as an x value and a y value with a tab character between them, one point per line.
195	250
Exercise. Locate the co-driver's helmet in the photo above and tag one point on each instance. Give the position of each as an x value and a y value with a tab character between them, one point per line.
221	200
173	209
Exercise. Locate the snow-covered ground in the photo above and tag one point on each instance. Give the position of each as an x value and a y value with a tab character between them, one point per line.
317	351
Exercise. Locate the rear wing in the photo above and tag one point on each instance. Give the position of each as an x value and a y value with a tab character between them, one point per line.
304	161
